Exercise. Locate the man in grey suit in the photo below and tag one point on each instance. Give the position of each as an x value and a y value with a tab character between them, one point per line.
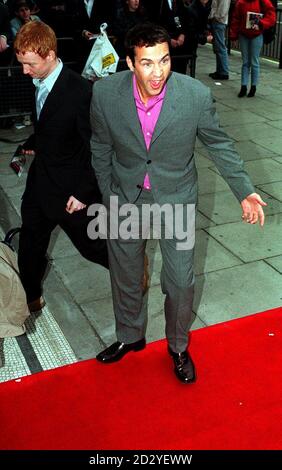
144	126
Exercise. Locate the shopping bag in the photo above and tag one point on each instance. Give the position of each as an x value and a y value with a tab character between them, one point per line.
102	59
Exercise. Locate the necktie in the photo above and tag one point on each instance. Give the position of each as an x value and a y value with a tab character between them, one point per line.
41	95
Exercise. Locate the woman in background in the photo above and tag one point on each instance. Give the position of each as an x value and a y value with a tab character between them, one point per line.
250	35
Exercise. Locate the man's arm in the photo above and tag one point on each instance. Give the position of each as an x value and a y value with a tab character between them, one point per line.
101	144
231	167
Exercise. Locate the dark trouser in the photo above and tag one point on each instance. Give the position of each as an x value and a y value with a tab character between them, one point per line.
35	236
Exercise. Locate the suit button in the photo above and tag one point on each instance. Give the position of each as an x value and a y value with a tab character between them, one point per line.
148	162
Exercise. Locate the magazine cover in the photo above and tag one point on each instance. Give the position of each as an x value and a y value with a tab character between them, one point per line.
252	19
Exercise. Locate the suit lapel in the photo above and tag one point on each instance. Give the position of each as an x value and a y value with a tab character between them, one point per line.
168	110
129	112
128	109
55	97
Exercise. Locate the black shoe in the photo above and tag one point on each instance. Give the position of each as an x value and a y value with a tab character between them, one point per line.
252	91
243	91
218	76
117	350
183	366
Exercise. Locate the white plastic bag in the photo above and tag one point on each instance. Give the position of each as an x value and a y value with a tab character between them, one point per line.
102	59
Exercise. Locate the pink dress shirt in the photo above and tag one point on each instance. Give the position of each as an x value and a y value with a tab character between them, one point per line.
148	116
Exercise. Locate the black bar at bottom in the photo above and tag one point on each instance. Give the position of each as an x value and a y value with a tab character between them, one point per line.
125	459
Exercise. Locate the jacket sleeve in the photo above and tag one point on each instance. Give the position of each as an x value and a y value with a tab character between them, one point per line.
235	23
86	190
101	143
269	18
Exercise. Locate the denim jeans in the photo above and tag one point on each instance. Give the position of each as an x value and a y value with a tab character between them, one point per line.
250	50
219	47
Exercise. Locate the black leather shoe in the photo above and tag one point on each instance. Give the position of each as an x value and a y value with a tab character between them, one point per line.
183	366
218	76
117	350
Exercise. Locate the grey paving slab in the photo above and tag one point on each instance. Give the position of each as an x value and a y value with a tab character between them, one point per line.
71	318
277	124
243	117
224	207
275	98
100	314
251	242
85	280
210	182
275	262
60	245
237	292
209	256
274	189
278	159
250	150
202	221
254	131
270	143
264	171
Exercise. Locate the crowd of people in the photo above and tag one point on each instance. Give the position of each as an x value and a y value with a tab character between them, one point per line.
185	20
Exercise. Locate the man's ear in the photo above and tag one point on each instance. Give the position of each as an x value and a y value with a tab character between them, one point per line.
129	63
51	55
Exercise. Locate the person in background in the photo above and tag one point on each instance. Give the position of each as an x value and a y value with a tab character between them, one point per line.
198	31
22	16
131	13
171	14
219	19
251	38
145	122
87	18
61	182
5	36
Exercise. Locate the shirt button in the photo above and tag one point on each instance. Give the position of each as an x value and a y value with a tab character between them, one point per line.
148	133
148	113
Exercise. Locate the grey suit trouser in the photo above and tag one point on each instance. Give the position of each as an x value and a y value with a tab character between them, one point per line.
126	259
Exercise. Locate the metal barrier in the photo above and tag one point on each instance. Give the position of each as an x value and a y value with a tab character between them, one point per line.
16	92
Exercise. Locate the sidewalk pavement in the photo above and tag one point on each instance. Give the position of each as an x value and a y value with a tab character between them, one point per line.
238	267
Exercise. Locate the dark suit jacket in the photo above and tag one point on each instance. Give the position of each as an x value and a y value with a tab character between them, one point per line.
62	165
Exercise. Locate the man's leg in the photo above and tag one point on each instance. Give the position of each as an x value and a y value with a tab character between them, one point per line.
126	259
33	243
75	226
222	67
177	281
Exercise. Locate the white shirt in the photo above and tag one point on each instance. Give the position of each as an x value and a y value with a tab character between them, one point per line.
169	4
88	5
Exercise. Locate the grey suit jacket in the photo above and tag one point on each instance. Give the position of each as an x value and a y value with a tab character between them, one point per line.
119	153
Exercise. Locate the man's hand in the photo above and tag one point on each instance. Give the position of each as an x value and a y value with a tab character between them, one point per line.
252	209
31	153
74	205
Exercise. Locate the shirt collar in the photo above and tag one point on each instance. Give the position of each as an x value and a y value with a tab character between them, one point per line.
50	80
153	100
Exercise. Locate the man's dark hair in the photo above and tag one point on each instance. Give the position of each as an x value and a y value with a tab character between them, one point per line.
144	35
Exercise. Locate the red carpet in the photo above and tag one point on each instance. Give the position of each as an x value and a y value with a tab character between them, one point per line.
236	402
